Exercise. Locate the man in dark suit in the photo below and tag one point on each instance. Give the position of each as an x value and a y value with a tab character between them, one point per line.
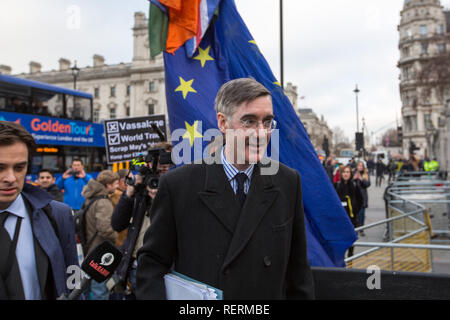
37	238
230	224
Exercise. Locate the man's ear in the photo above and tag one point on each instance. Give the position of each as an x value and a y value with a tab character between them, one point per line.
222	122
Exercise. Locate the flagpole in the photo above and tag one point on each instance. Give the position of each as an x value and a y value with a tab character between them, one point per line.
281	46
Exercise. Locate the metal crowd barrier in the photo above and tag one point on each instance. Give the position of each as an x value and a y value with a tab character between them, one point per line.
417	216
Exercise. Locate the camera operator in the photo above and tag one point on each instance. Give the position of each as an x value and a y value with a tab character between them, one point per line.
132	212
73	182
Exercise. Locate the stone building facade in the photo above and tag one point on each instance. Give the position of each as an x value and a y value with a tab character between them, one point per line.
316	127
424	41
122	90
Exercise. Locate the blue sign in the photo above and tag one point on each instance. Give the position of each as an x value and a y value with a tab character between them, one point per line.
58	131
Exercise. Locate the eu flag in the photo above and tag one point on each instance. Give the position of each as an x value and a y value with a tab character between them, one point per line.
226	52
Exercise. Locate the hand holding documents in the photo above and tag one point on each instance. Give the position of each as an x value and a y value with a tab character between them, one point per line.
180	287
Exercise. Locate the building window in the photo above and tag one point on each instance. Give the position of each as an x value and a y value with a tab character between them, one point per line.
408	73
406	100
440	29
406	51
128	90
427	121
96	92
113	91
441	47
424	48
405	73
151	86
127	111
112	113
96	115
151	109
413	123
423	30
407	124
408	33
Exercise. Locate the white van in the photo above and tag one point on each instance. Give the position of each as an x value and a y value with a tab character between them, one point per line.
383	154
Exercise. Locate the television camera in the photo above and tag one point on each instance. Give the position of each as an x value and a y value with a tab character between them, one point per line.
149	174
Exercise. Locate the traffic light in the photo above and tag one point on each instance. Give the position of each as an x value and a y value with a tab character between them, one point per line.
326	147
359	141
412	147
400	135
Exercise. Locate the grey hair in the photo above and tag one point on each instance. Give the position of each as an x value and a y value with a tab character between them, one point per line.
233	93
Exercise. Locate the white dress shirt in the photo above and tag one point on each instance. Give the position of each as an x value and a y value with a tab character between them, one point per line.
25	248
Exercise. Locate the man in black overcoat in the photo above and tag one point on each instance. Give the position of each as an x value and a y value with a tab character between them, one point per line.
236	224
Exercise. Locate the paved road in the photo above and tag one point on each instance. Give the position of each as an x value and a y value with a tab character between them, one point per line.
376	212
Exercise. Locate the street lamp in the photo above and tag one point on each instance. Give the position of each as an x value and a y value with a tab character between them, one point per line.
75	72
356	91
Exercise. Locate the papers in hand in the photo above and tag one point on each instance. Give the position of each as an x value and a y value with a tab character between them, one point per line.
180	287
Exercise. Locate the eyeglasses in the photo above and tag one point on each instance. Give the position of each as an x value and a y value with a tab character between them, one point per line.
254	124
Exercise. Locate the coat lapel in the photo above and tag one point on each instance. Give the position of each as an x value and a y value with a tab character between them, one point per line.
41	258
219	197
260	198
50	245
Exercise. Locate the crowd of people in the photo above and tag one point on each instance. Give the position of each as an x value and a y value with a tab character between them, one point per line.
352	180
109	217
77	190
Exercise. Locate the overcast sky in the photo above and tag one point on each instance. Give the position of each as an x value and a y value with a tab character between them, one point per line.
329	46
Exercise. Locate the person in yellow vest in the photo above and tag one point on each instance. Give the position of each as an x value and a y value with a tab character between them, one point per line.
426	165
431	166
434	165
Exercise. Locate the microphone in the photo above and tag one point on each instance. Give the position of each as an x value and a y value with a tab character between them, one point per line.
99	265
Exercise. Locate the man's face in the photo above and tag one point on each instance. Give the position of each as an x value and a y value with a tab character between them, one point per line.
77	166
248	137
111	187
163	168
13	169
122	184
45	179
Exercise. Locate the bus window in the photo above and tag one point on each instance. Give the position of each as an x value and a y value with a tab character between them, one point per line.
55	105
82	109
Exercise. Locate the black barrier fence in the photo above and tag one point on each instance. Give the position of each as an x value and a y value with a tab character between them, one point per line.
351	284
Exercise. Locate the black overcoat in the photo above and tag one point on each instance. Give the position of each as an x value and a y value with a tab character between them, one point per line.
197	227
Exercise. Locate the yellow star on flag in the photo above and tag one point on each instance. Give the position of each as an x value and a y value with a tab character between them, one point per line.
191	132
203	55
254	42
185	87
277	83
